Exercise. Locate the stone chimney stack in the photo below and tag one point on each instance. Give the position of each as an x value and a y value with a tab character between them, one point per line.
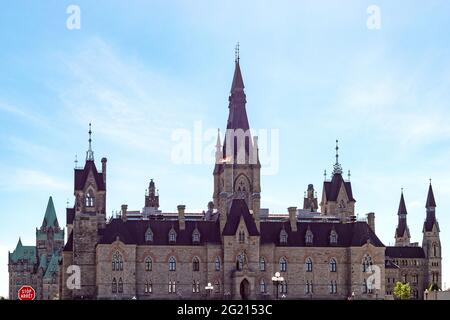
371	220
104	169
181	218
293	218
124	212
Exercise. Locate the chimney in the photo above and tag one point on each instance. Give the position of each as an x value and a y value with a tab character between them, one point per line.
293	218
181	219
371	220
124	212
104	169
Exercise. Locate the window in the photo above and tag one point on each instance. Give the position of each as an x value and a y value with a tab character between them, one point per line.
172	236
148	288
148	264
415	278
149	235
239	262
283	265
435	250
415	294
241	236
90	200
120	286
172	264
333	237
333	287
282	287
172	287
114	286
333	265
217	286
195	264
262	286
309	237
309	287
367	264
309	265
262	264
364	288
283	237
117	262
217	263
196	237
195	286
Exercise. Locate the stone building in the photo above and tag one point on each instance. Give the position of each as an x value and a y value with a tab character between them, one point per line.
39	265
234	248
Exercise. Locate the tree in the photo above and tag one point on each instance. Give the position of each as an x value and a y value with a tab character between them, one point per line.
402	291
433	287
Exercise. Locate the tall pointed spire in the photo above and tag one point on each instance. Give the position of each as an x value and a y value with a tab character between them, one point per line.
90	153
337	169
430	198
50	219
402	235
238	82
402	206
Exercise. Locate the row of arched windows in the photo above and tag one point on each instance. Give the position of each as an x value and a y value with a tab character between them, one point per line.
283	264
117	286
309	237
172	236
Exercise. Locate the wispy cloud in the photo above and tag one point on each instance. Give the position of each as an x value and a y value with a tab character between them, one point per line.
22	113
28	179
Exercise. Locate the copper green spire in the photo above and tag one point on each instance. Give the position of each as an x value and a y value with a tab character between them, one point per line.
50	219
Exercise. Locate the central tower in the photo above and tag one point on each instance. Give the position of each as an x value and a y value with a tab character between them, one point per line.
237	169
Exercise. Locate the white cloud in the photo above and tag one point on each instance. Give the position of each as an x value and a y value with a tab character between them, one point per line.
28	179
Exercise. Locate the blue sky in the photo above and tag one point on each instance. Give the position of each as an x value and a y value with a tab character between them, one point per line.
138	70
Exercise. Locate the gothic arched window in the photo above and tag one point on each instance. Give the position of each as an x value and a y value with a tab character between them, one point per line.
333	237
195	264
217	264
262	286
148	264
309	237
172	236
262	264
367	263
333	265
241	236
196	236
114	286
117	262
90	199
172	264
309	265
120	286
149	235
283	264
283	236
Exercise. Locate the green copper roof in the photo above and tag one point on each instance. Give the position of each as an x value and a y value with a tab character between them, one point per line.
50	219
52	266
23	253
43	261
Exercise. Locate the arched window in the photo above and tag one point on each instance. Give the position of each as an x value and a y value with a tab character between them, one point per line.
148	288
195	286
217	286
217	264
239	262
172	236
172	264
309	237
283	236
117	262
262	264
90	199
241	236
114	286
333	287
309	287
283	264
333	237
196	236
367	263
283	287
309	265
148	264
172	286
262	286
333	265
195	264
120	286
149	235
435	250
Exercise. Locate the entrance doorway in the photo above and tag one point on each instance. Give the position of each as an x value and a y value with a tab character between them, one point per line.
245	289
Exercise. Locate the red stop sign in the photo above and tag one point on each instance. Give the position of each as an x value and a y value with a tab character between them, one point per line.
26	293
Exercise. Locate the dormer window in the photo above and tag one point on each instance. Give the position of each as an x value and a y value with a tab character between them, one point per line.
149	235
283	237
333	237
172	236
309	237
90	199
196	237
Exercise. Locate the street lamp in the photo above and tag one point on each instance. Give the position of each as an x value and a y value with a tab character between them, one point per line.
209	288
277	279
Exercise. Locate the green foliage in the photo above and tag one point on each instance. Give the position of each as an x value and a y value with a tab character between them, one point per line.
402	291
433	287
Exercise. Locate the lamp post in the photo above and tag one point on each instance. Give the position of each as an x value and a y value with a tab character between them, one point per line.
277	279
209	288
426	294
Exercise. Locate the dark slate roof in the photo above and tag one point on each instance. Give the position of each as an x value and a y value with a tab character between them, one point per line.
405	252
238	82
332	188
133	231
239	209
389	264
430	198
82	174
349	234
70	215
402	206
69	243
402	225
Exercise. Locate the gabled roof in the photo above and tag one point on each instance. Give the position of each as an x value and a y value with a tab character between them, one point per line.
239	209
81	176
52	266
50	219
405	252
348	234
133	231
26	253
430	198
333	187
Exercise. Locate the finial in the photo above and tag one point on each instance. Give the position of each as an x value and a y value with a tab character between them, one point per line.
305	194
402	190
90	153
67	203
337	169
325	174
236	53
76	161
349	175
430	181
